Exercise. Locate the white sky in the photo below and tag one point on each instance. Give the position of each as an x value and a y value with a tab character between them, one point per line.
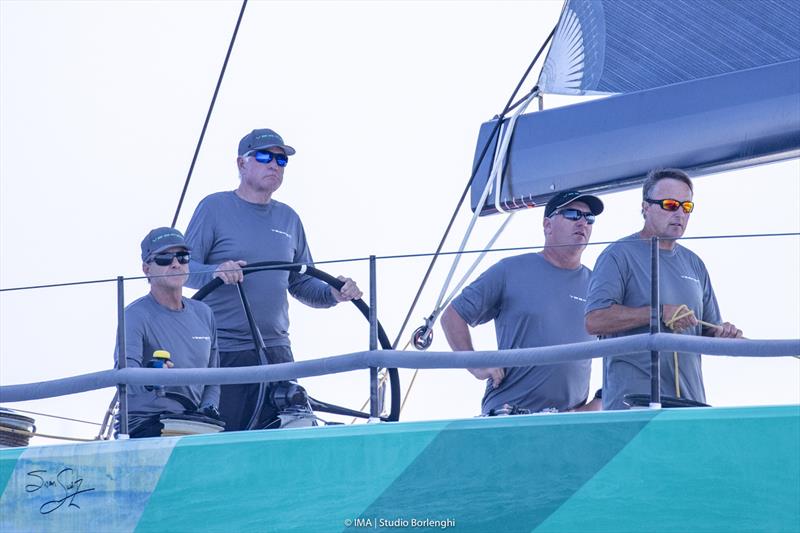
102	104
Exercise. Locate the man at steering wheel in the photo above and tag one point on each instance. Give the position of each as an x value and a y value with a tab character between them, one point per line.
231	228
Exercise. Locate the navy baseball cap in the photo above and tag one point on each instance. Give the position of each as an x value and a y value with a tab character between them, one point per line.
261	140
161	239
566	197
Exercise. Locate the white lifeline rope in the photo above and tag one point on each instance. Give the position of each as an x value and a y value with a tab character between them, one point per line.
494	182
502	152
475	263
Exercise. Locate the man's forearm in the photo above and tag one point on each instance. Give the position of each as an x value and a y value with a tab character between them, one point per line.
458	337
616	319
456	330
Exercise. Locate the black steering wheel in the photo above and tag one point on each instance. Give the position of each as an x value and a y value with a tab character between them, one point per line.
394	376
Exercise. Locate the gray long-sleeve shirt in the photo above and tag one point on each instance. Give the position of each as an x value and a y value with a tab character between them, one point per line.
622	276
533	303
225	227
189	335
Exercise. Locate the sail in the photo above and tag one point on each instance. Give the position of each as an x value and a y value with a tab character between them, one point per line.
621	46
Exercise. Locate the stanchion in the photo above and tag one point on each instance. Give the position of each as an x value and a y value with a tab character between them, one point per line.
655	326
122	362
374	404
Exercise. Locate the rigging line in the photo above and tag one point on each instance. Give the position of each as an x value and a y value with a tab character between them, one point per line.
681	312
45	435
522	248
466	189
740	236
522	100
444	236
497	166
56	416
528	70
85	282
474	265
442	302
382	382
410	385
494	181
408	390
413	256
51	285
484	250
208	115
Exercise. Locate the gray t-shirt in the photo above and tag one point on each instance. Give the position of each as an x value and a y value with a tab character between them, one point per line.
224	227
622	276
532	303
189	335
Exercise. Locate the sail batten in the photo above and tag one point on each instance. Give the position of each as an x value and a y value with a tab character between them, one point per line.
630	45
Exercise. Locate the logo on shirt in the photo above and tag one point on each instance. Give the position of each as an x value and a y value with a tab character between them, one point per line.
577	298
201	338
288	236
691	279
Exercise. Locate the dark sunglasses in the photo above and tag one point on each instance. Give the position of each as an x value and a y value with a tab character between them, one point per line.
575	215
669	204
264	157
165	259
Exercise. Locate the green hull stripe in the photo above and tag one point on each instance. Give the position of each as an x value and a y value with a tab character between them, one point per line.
8	460
700	470
488	472
294	479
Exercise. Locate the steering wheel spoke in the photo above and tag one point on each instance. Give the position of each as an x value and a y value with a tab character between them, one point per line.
394	376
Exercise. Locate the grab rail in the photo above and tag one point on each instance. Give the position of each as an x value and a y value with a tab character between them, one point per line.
398	359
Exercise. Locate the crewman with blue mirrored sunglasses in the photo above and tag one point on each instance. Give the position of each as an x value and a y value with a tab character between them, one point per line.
231	229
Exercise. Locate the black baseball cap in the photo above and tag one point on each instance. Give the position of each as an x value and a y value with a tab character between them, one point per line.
566	197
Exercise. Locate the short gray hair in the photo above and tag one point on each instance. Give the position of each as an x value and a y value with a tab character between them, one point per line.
658	174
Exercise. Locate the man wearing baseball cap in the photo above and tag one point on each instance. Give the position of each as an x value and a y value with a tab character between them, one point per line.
535	299
230	229
164	320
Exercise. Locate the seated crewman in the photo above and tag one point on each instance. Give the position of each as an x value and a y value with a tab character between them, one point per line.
165	320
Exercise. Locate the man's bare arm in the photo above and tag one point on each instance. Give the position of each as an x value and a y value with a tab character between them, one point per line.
619	318
456	330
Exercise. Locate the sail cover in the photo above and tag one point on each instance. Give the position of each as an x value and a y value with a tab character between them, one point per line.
707	125
621	46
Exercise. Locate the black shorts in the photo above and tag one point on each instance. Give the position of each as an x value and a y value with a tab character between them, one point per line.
237	403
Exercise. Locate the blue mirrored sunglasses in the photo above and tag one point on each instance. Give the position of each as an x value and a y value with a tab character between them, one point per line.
265	158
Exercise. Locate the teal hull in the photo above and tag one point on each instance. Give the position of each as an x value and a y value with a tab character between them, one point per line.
720	469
